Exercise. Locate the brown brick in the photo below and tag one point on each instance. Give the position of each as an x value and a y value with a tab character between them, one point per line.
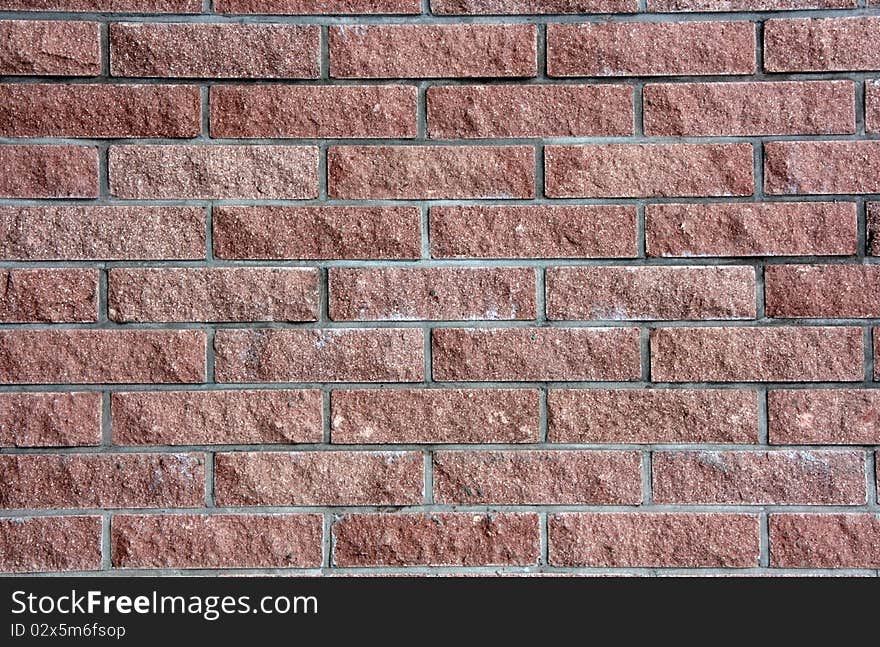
74	110
101	233
561	231
214	50
645	170
825	540
763	108
752	477
824	417
822	44
317	232
48	171
318	478
431	172
50	419
501	7
101	356
326	7
426	51
462	111
53	296
50	544
349	355
431	294
257	172
216	541
639	293
538	477
102	481
441	539
822	167
216	417
213	294
678	416
760	354
663	6
822	291
684	540
434	416
872	106
50	48
752	229
536	354
650	48
314	111
105	6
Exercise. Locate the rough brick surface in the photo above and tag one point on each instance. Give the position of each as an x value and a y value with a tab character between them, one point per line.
50	419
529	477
318	478
873	226
747	5
434	416
814	417
50	544
822	291
657	416
821	44
825	540
654	539
48	48
48	171
308	7
52	296
150	6
442	539
501	7
217	417
752	229
822	167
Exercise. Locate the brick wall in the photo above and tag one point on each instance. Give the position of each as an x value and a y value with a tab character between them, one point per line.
472	286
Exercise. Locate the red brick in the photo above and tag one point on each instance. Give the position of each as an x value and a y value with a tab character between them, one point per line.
258	172
538	477
778	477
334	355
752	229
645	170
216	417
54	296
435	416
462	111
821	44
759	354
214	50
35	481
105	6
50	419
101	233
501	7
674	416
825	540
441	539
217	541
50	544
639	293
50	48
427	51
822	291
536	354
326	7
873	225
872	106
826	417
560	231
101	356
318	478
48	172
650	48
314	111
822	167
317	232
213	294
683	540
763	108
431	294
430	172
56	110
663	6
876	334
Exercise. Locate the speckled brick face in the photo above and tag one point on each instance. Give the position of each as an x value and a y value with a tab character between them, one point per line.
440	286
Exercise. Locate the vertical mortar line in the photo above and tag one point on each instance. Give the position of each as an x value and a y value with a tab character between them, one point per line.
645	353
426	7
106	420
539	170
759	47
862	241
205	97
428	355
764	539
209	479
104	170
327	540
760	292
209	233
428	494
641	230
325	52
871	473
542	50
106	556
543	538
323	179
425	233
105	49
103	294
326	412
868	341
541	295
860	87
758	170
763	417
422	111
639	109
543	415
209	355
647	477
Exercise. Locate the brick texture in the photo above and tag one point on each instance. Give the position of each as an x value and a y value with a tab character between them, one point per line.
440	287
